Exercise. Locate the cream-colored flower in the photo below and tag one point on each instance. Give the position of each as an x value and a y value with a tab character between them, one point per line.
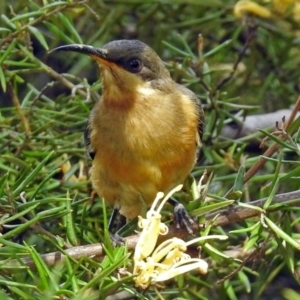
247	6
282	6
296	12
66	167
169	258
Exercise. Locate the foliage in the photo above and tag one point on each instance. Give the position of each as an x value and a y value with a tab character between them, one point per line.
242	62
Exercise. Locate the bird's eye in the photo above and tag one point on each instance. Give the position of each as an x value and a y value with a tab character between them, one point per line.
135	65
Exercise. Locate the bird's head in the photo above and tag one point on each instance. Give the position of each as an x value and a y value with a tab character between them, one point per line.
127	66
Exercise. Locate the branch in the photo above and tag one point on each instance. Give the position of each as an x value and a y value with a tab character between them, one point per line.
221	218
250	124
238	213
274	147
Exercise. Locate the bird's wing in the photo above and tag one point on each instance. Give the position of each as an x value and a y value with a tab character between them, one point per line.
197	101
87	140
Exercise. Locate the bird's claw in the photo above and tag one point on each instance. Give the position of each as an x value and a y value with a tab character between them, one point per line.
182	218
117	240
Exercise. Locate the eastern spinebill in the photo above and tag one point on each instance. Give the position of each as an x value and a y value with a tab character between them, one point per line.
144	132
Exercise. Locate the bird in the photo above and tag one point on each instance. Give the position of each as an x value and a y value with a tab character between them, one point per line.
144	133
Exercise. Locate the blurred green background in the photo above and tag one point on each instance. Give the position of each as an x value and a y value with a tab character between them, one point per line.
238	57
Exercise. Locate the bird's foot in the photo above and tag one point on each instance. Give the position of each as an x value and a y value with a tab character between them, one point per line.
117	240
182	218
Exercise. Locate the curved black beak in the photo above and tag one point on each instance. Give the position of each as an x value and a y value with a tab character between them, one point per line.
84	49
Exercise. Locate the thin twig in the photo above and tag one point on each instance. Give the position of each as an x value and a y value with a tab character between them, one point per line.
254	255
61	79
273	148
16	103
241	55
43	17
